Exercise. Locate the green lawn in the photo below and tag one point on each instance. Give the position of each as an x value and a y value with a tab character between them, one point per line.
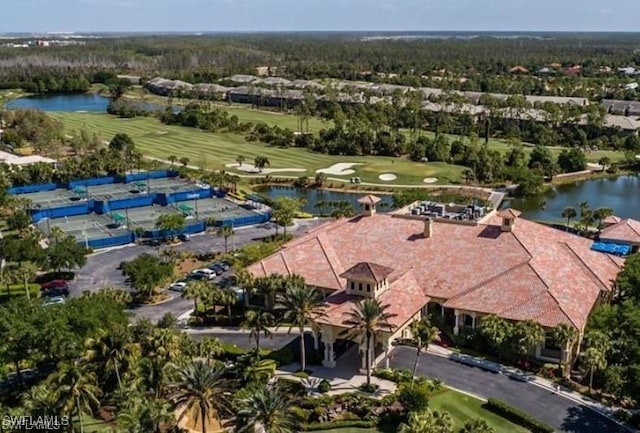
462	407
214	150
17	290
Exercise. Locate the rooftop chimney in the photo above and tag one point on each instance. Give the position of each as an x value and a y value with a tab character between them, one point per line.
428	228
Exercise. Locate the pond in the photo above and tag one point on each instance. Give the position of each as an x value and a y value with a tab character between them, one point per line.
91	102
622	194
314	196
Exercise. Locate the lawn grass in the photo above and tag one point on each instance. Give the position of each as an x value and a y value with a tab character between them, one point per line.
214	150
17	290
462	408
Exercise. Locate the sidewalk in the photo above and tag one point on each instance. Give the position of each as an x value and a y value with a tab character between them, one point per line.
530	378
342	380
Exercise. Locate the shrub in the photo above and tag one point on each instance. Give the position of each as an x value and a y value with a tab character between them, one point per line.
231	351
517	416
370	388
414	398
395	375
337	424
282	356
300	415
302	374
293	387
324	386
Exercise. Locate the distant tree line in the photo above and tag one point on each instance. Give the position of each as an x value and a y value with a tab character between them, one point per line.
485	63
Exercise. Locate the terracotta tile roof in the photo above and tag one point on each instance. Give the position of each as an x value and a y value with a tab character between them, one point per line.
509	213
369	199
626	230
365	271
612	219
533	272
404	297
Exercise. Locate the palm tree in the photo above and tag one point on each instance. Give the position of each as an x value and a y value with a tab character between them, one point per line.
569	213
172	159
428	422
225	297
225	232
364	322
320	179
38	400
495	329
564	335
75	390
141	414
240	159
196	290
601	213
525	335
423	335
209	347
258	321
112	350
202	386
476	426
594	359
301	303
267	410
184	161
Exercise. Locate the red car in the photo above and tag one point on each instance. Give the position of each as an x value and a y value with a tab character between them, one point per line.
55	284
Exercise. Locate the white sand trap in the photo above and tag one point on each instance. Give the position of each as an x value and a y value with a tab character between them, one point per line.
387	177
250	168
430	179
339	169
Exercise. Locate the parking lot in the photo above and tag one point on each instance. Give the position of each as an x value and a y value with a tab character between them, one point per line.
101	269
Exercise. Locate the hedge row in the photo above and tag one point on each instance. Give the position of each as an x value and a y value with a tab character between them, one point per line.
338	424
517	416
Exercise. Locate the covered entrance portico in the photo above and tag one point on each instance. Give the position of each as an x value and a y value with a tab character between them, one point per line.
335	344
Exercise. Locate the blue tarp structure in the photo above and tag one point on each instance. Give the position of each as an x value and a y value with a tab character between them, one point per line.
611	248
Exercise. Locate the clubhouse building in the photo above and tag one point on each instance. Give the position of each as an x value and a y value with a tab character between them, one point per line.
461	269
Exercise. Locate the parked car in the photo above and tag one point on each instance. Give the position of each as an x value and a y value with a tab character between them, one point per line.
225	266
55	292
54	284
178	286
216	268
58	300
184	237
208	273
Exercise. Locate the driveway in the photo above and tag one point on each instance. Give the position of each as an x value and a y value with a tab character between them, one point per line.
101	269
561	413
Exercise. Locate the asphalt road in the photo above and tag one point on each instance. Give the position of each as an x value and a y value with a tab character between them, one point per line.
563	414
101	269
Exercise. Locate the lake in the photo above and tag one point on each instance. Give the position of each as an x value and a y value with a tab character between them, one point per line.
91	102
622	194
312	196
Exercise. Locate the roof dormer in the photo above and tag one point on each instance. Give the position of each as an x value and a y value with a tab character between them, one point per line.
367	279
509	217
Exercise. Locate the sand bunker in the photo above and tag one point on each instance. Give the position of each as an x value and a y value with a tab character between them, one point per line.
430	180
250	168
339	169
387	177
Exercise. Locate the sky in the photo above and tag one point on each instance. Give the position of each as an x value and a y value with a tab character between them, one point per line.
318	15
